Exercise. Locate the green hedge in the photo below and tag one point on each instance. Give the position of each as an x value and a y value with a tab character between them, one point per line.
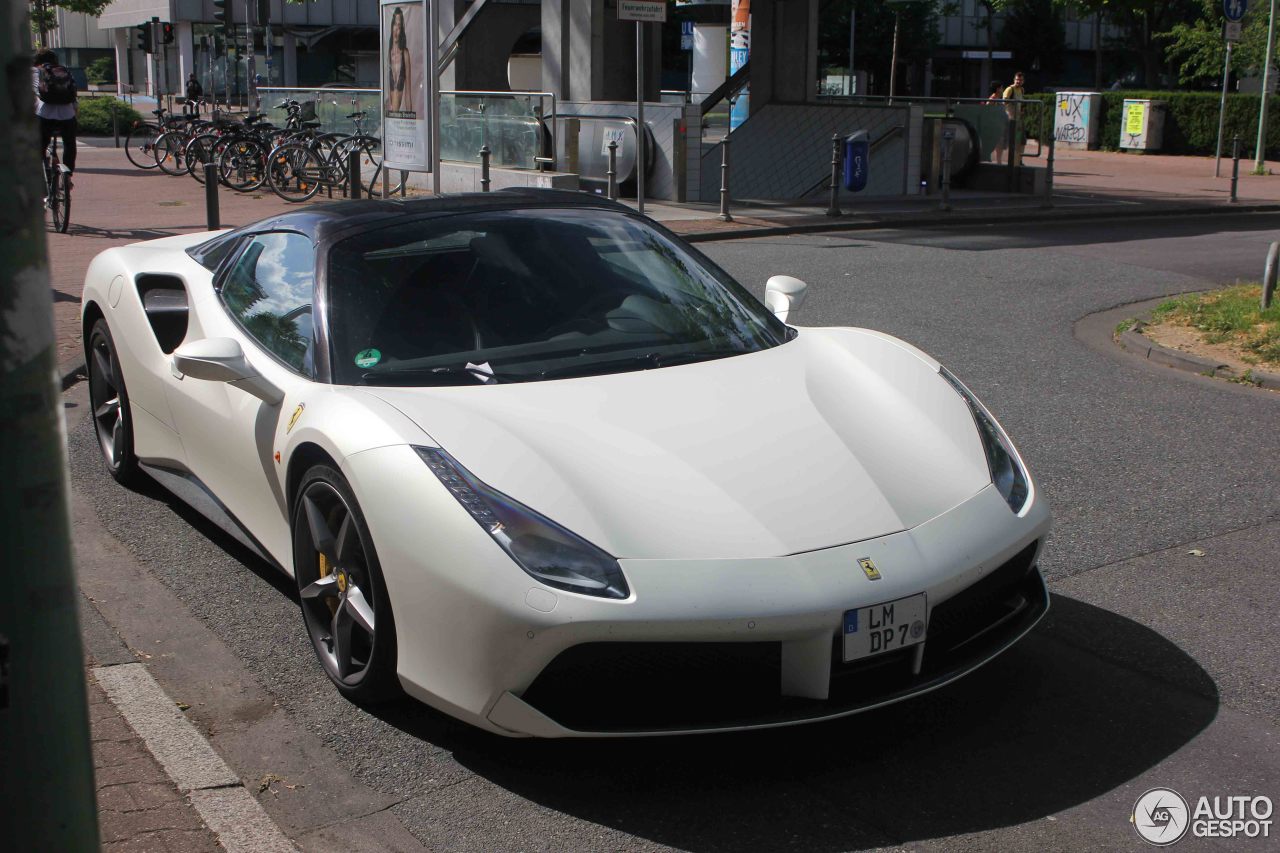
1191	121
95	116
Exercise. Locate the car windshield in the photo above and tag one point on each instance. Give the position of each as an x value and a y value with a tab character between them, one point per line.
526	295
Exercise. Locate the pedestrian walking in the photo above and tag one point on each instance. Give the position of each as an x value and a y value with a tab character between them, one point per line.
1013	96
995	125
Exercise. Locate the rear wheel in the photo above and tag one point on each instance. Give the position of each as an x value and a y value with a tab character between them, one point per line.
170	151
62	208
139	146
295	172
201	150
109	400
344	600
242	165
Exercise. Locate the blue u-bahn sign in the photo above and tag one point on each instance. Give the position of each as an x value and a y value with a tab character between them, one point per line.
1234	9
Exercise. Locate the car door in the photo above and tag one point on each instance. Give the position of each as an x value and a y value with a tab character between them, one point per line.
263	299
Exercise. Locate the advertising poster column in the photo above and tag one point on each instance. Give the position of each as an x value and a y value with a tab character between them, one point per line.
409	93
739	53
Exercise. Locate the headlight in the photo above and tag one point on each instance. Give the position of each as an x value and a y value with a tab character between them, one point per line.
553	555
1007	473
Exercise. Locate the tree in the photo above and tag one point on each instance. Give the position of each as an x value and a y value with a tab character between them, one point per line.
1198	48
1142	22
44	19
873	46
1034	33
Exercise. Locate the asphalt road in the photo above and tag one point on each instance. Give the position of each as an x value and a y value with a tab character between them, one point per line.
1156	666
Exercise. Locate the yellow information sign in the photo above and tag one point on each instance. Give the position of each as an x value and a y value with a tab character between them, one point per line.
1134	118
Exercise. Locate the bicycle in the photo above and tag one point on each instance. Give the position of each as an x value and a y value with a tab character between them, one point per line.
301	168
57	182
140	142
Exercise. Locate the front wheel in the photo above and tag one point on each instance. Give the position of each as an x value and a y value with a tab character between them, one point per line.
140	146
343	597
295	172
62	207
170	150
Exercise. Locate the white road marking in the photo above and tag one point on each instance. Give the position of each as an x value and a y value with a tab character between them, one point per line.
227	808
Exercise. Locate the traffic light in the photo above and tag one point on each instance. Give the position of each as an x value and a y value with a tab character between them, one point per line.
144	37
166	32
224	16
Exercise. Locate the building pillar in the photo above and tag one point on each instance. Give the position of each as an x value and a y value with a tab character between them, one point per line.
182	35
289	59
589	55
784	51
710	58
124	72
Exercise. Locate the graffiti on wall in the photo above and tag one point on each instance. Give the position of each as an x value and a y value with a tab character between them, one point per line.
1071	119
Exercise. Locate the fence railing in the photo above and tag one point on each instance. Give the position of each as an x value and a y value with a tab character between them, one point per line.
518	127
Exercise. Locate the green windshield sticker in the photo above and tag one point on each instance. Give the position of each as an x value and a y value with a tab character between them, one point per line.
368	358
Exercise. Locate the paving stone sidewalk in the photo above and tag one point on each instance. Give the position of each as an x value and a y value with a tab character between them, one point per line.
139	807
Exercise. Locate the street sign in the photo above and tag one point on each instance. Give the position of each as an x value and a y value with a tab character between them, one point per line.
645	11
1232	30
1235	9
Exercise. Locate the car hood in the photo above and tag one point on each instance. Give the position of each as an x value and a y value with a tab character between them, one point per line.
837	436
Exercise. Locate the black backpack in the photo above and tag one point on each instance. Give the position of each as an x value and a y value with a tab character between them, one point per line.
56	85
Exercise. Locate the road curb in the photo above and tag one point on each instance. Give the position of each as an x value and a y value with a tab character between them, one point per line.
1110	211
1134	341
72	371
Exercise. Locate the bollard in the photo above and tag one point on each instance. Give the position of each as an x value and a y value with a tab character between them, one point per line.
724	216
115	121
948	137
1235	166
1048	174
1011	141
1269	275
484	168
211	196
613	170
833	205
353	173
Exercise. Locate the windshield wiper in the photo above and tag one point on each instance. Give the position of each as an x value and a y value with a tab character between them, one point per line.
444	372
644	360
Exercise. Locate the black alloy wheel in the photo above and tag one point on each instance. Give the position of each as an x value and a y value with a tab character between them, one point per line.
112	421
344	601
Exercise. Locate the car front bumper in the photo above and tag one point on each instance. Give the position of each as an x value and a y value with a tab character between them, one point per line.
700	645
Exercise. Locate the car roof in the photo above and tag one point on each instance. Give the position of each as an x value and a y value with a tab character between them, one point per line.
324	222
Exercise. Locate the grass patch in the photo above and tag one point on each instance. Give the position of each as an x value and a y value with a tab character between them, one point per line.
1125	325
1232	316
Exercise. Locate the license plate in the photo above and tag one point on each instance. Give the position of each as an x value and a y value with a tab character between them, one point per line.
884	627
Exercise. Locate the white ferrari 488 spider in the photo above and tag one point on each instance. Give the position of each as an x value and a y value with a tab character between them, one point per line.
545	467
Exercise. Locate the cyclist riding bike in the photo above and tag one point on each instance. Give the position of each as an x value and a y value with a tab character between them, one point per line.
56	106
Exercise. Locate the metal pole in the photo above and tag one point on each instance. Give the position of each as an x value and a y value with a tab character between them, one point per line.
1235	165
613	170
1269	275
1048	175
853	29
46	784
211	196
386	182
948	137
484	169
250	65
115	121
1010	142
1222	110
893	63
725	216
353	174
639	117
1260	154
433	30
833	203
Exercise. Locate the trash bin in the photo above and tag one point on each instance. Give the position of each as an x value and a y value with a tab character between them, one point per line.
1076	120
857	160
1142	125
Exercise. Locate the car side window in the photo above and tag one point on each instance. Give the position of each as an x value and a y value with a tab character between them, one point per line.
268	289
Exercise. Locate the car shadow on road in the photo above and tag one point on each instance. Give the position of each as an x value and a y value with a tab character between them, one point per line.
1086	703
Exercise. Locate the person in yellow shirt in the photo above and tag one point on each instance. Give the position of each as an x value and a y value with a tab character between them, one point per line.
1012	95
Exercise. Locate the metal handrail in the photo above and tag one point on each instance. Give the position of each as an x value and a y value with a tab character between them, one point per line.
730	87
509	93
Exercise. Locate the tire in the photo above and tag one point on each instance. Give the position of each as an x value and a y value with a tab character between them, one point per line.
242	166
109	401
295	172
170	153
139	146
62	191
341	590
203	149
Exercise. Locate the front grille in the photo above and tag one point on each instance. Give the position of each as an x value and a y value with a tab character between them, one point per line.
621	687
